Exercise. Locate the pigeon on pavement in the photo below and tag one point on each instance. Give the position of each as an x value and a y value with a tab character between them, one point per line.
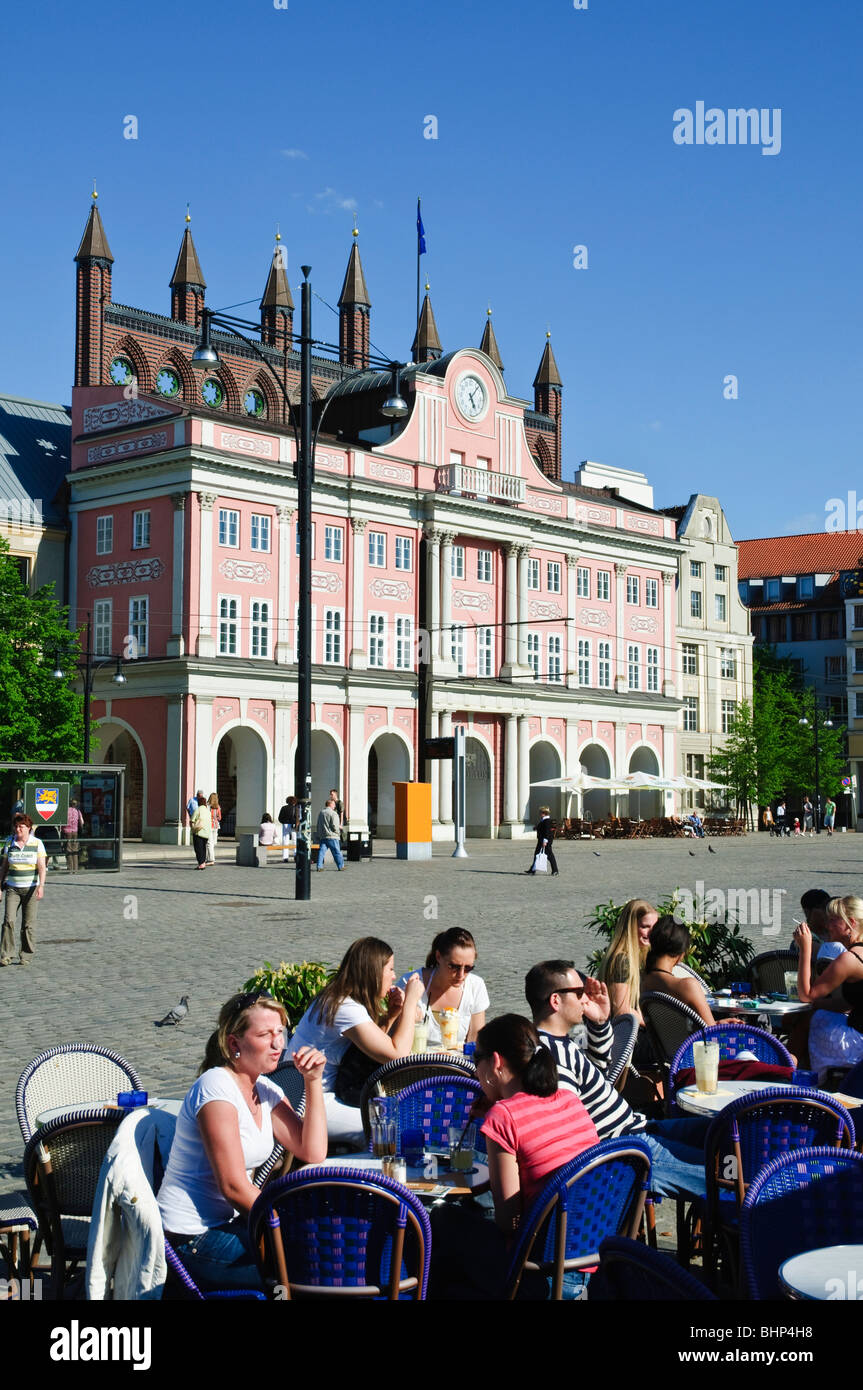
711	850
692	854
175	1015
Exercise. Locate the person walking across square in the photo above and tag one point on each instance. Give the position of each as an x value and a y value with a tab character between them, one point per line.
22	874
544	841
328	835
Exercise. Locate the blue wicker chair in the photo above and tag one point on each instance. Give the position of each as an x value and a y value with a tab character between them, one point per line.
733	1038
394	1076
625	1029
435	1104
801	1201
72	1074
630	1271
325	1232
600	1193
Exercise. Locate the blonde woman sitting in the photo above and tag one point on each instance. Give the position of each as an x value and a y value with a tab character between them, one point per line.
833	1040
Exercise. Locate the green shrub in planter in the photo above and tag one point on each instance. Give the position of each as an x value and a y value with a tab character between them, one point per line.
718	949
294	985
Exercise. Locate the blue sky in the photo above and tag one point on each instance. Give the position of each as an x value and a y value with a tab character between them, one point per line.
555	129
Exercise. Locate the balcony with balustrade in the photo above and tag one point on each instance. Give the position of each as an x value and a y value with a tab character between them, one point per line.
465	480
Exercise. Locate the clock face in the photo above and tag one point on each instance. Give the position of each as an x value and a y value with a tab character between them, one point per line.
471	397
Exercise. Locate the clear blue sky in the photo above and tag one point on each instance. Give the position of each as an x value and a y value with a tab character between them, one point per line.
554	129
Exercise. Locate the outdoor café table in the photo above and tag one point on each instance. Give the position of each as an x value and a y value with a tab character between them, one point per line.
696	1102
774	1009
446	1184
835	1271
154	1103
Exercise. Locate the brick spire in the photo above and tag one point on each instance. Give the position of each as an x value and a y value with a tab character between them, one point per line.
547	396
354	312
426	346
489	343
277	305
92	292
187	282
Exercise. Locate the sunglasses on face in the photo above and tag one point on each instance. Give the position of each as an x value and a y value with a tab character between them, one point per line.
577	990
456	968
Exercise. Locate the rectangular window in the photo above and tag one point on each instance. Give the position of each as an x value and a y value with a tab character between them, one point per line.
858	705
456	564
555	660
728	664
651	593
404	644
553	577
632	589
104	535
690	714
720	606
377	640
260	629
139	622
140	530
333	539
720	573
229	610
485	651
583	661
729	713
806	586
689	659
858	615
404	553
457	647
603	654
533	653
858	660
333	636
695	768
633	658
297	547
533	574
582	583
260	532
483	566
229	527
377	549
773	589
102	610
653	668
695	603
835	667
603	584
695	569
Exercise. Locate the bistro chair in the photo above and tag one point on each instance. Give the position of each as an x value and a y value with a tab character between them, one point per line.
600	1193
17	1225
341	1232
394	1076
682	972
766	973
434	1105
72	1074
669	1023
625	1030
733	1038
630	1271
803	1200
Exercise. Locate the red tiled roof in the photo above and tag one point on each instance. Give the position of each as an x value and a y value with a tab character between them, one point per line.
819	552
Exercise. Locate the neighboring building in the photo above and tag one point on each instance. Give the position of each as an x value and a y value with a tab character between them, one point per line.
851	588
35	448
455	578
714	643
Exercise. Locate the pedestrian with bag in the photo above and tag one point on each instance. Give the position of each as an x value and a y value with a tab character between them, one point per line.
71	830
202	825
543	855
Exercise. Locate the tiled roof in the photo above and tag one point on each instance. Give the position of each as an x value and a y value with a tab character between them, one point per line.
34	454
819	552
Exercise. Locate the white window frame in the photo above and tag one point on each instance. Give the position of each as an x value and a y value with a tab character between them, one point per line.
653	669
603	665
695	606
633	666
141	529
334	544
377	640
695	569
582	582
554	648
552	575
689	659
105	541
457	647
483	566
225	528
633	590
728	663
720	573
377	550
333	637
137	622
485	652
227	623
651	593
456	562
404	642
533	579
405	551
729	714
584	660
603	585
103	626
533	656
260	628
691	716
720	604
260	532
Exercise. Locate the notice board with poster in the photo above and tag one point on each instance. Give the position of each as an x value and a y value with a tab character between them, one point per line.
102	809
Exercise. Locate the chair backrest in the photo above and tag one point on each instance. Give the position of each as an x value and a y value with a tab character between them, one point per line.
686	972
766	973
733	1038
669	1023
600	1193
436	1103
625	1029
341	1230
394	1076
72	1074
754	1129
629	1270
802	1201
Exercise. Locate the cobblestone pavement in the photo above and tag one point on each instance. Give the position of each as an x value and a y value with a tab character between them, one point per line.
115	951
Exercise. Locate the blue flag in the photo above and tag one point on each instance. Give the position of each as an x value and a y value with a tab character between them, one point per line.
421	232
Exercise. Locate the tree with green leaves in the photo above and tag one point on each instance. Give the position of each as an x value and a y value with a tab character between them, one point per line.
41	716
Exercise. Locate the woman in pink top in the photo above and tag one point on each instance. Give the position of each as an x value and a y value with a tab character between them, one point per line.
71	830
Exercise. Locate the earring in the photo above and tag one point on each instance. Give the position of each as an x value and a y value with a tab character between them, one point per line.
236	1054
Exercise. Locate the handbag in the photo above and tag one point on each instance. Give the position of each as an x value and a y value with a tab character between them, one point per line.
540	863
355	1068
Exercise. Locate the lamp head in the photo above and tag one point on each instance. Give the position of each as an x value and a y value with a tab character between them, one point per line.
205	358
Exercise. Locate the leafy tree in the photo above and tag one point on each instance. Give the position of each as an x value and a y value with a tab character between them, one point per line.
41	717
736	763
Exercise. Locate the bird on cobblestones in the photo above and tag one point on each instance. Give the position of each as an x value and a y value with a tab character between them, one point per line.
711	850
692	854
175	1015
596	852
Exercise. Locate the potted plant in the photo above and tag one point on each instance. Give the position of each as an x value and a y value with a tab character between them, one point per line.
295	985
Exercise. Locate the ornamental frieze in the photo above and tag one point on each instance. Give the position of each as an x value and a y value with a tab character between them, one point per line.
544	610
246	571
602	516
463	598
330	583
120	448
390	588
593	617
256	445
124	572
118	413
638	624
545	504
391	472
643	523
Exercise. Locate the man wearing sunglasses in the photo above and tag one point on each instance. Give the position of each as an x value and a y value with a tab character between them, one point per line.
559	999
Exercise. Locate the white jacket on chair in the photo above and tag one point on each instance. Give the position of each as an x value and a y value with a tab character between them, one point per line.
127	1242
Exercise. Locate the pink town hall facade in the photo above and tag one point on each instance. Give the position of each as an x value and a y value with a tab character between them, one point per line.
456	578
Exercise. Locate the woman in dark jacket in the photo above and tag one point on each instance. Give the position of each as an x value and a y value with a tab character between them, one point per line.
544	841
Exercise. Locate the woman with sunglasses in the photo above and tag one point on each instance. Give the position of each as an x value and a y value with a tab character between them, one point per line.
450	982
229	1124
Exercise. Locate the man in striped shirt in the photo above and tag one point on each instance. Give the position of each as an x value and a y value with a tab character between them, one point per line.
559	998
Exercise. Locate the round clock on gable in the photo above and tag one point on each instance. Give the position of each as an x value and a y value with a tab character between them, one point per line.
471	397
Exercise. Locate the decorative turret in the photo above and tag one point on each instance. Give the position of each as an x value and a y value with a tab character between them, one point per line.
92	292
547	388
354	312
426	344
187	282
277	305
489	343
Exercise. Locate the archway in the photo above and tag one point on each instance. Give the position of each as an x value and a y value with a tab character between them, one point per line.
241	781
389	761
478	790
326	770
544	764
595	760
645	804
115	744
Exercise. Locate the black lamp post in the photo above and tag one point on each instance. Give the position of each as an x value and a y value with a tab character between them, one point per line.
824	724
206	358
89	666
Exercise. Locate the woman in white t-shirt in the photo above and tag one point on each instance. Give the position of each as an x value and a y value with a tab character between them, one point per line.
229	1123
360	1005
449	982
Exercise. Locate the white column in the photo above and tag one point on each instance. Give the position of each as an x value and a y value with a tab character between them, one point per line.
572	763
204	772
620	636
522	608
358	660
620	769
284	645
571	602
447	538
445	773
510	771
175	800
358	770
433	588
434	778
176	645
523	766
206	640
283	763
669	654
511	605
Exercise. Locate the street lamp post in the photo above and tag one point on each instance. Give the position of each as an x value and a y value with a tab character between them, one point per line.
824	724
91	664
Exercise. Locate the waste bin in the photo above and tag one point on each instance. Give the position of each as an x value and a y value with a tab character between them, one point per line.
359	846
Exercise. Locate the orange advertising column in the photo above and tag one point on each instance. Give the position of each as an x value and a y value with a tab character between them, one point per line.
413	820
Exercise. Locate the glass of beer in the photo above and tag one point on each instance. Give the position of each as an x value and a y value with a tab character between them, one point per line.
705	1056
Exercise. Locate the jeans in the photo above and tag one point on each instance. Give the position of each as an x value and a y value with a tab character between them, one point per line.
334	848
221	1258
677	1156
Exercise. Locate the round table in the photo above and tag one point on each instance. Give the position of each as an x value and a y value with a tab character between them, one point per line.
447	1183
153	1103
696	1102
833	1272
775	1009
